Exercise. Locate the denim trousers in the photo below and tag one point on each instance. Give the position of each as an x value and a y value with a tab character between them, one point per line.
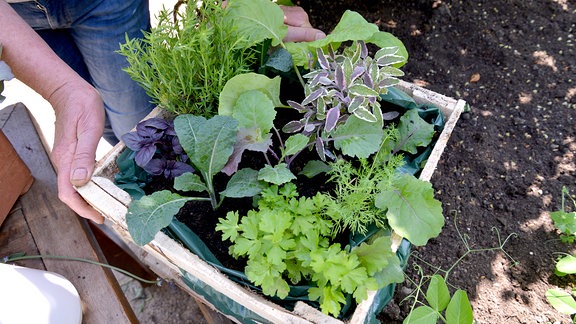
86	34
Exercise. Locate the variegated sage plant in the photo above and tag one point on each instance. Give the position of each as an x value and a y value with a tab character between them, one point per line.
344	85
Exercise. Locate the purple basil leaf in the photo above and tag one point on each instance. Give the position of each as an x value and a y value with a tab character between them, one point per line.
149	132
133	141
170	130
144	155
183	158
332	117
176	168
157	123
155	166
176	146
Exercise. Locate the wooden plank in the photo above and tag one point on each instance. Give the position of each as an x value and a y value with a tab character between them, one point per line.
57	230
15	238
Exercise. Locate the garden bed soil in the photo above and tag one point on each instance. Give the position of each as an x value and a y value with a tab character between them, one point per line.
514	62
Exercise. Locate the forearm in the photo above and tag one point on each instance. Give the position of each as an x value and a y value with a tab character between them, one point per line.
31	60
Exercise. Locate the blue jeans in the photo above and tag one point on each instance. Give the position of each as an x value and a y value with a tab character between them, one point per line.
86	34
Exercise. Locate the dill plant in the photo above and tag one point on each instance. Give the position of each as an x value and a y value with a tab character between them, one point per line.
184	63
357	184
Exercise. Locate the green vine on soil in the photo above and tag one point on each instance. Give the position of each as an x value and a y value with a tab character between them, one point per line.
457	308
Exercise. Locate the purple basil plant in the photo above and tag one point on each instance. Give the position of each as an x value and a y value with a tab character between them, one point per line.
157	148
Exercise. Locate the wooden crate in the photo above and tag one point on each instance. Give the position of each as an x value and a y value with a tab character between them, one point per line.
172	261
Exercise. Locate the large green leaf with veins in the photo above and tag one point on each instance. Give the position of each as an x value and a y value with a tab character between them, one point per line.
257	20
148	215
208	143
358	138
414	131
411	209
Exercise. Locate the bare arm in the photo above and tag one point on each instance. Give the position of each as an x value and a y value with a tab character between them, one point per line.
78	106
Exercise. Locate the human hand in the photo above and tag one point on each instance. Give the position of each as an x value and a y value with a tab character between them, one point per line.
299	27
79	126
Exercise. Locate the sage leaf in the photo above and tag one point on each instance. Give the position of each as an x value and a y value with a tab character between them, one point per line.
384	40
362	90
365	114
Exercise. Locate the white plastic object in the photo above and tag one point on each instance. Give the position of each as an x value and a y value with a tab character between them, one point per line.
35	296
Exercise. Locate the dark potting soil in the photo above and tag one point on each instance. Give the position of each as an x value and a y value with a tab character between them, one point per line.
514	62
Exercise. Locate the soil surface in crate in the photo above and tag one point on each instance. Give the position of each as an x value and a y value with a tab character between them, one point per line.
514	62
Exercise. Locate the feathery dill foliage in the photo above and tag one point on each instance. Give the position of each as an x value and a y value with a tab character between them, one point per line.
357	184
184	64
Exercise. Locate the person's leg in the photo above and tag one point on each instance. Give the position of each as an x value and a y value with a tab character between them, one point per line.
98	36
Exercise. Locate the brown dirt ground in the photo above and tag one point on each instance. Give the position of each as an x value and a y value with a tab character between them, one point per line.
514	62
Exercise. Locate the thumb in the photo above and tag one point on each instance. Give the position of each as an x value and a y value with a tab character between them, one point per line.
84	158
303	34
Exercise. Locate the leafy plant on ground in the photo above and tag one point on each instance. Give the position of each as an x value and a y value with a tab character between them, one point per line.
565	222
436	303
441	306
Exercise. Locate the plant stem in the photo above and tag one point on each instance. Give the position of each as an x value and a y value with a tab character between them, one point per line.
67	258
